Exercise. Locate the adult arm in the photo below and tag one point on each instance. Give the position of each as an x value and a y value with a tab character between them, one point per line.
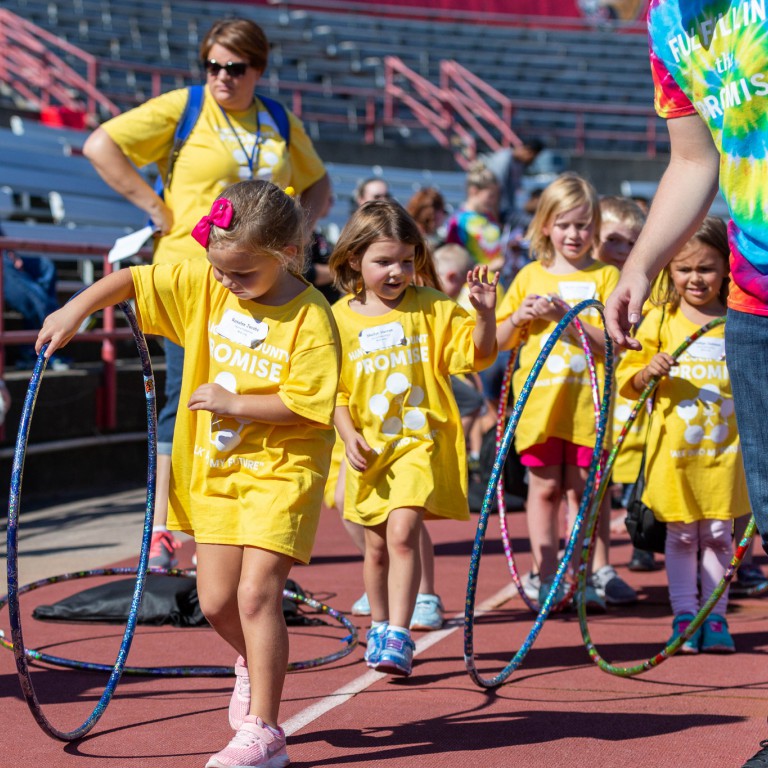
119	173
684	195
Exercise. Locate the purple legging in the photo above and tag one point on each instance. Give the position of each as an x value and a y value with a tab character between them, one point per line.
684	540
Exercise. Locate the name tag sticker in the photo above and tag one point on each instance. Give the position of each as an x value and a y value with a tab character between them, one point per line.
242	329
382	337
576	291
707	349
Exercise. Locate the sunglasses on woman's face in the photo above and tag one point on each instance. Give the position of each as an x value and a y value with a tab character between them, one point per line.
232	68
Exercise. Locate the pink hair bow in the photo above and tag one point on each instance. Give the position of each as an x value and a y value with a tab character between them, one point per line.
220	215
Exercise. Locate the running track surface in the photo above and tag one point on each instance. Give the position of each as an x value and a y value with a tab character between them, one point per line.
558	710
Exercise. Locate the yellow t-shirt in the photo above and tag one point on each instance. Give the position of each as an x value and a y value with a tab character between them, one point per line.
626	466
693	464
245	482
212	158
337	457
395	380
560	403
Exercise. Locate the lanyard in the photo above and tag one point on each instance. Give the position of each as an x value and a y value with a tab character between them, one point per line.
255	156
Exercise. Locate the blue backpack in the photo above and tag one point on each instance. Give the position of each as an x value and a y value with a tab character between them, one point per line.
190	115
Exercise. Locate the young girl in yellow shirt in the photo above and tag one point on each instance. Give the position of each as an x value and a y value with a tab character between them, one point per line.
556	433
406	459
694	476
252	447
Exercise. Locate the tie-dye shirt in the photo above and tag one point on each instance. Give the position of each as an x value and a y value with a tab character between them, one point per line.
710	57
480	235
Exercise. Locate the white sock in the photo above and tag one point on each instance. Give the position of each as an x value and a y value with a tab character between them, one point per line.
403	630
375	624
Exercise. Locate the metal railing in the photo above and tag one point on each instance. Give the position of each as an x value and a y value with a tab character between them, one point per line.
107	335
456	113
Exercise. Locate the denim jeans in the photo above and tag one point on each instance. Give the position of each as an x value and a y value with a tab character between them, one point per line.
166	419
30	290
746	342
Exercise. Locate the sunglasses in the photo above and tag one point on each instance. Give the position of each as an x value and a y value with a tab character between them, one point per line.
232	68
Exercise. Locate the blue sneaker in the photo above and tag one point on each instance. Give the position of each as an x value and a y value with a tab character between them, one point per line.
374	644
361	606
427	613
397	656
715	637
679	625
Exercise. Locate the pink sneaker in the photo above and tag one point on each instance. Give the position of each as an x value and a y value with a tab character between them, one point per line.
240	703
253	746
162	550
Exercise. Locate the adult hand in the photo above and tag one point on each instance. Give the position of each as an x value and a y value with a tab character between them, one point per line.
161	216
624	307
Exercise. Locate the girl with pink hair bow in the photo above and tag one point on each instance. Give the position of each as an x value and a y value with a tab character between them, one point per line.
252	447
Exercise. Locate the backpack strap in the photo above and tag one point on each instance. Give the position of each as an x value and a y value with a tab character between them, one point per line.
192	110
190	115
280	115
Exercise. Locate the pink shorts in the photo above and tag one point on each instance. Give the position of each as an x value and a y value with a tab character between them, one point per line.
554	452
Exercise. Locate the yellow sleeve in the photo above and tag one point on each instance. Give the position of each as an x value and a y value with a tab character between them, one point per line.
145	134
632	362
514	296
457	345
164	292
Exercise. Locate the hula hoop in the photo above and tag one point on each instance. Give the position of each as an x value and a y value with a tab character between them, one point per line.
474	565
14	505
671	648
533	605
33	654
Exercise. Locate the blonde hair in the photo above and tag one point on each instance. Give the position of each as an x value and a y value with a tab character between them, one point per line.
265	220
566	192
453	256
623	210
373	221
712	232
241	36
480	176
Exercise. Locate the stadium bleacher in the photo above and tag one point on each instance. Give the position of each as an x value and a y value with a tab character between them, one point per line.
547	65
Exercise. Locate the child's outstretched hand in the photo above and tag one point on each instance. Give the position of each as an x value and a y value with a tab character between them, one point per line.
357	450
482	291
58	329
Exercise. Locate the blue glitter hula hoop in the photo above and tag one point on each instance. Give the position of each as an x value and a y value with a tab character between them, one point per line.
595	468
12	538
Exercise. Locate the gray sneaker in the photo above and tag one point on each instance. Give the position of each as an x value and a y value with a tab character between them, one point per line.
531	585
612	588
